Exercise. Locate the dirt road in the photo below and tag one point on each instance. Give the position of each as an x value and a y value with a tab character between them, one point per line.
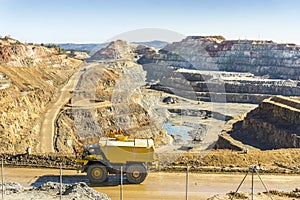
160	185
48	126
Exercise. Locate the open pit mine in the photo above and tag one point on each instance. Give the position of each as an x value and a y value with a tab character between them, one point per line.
213	104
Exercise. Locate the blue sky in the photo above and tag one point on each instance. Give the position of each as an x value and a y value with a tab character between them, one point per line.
88	21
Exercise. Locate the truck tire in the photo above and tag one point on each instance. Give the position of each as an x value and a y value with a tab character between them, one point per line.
136	173
97	173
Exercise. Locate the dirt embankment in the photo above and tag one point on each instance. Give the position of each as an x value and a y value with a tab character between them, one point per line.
273	161
40	160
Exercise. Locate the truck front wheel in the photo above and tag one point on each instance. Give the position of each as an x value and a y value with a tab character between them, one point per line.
136	173
97	173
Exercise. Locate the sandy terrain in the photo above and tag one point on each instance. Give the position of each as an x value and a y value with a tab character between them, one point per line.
159	185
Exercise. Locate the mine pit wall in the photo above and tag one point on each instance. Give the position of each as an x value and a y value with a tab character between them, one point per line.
271	125
258	57
200	86
232	98
217	97
215	53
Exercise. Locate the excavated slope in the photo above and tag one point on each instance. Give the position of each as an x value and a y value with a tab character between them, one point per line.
115	50
243	71
273	124
30	76
217	53
107	101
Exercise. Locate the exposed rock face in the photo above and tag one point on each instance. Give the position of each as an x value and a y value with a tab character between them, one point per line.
216	53
14	53
217	86
113	103
77	54
115	50
250	69
30	76
5	82
274	124
108	99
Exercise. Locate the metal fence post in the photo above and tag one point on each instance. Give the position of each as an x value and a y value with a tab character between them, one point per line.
2	177
121	186
60	182
252	182
187	183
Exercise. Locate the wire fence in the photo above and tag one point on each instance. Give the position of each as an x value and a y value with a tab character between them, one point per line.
186	185
36	180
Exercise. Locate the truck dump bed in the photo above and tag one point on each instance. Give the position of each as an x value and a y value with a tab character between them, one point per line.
131	150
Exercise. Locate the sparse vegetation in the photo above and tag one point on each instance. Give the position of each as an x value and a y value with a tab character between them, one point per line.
56	47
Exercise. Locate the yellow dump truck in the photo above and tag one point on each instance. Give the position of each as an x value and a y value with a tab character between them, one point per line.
110	154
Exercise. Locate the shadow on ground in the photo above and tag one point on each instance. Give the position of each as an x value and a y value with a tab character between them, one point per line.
113	180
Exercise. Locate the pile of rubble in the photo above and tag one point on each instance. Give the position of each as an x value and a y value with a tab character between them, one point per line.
51	190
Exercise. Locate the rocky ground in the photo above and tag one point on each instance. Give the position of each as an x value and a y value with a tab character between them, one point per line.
51	190
273	194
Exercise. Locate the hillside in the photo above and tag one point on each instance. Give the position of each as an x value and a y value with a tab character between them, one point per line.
31	75
157	44
112	103
115	50
40	101
88	48
92	48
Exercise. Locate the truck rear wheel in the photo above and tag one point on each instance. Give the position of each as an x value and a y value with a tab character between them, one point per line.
97	173
136	173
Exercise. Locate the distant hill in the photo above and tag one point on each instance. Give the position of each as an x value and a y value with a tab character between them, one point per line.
155	44
94	47
88	48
